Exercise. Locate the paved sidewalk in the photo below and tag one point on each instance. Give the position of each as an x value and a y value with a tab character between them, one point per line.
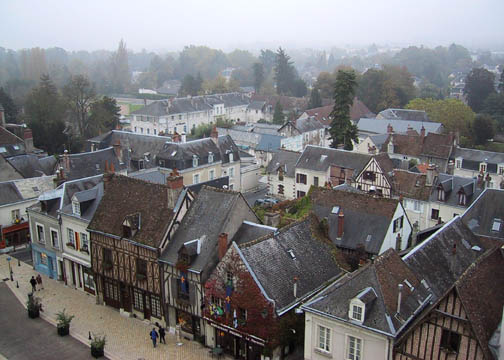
127	338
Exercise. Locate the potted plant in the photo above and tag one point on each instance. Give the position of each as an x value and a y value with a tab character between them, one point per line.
64	320
98	345
33	306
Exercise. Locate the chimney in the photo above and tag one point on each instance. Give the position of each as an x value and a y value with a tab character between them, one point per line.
28	140
223	243
66	160
271	219
390	129
214	135
2	116
176	137
118	150
295	286
108	173
390	145
399	296
341	223
175	181
422	131
431	172
411	131
183	137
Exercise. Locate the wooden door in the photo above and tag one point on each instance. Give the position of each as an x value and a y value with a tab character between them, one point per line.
125	297
73	274
111	293
147	306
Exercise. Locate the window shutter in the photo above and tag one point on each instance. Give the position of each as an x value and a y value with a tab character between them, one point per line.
174	290
192	295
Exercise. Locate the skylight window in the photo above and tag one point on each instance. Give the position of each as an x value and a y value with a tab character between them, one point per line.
496	226
291	253
174	153
2	149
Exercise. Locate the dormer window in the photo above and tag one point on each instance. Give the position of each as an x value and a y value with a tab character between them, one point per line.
231	157
357	312
76	208
483	167
126	231
195	161
210	157
441	195
458	163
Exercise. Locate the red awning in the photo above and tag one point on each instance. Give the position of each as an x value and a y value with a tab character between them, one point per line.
15	227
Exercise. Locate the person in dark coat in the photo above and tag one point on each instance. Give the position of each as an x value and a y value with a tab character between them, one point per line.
154	335
33	283
162	335
39	282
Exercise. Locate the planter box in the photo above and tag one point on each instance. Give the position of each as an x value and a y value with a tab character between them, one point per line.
33	314
63	330
96	352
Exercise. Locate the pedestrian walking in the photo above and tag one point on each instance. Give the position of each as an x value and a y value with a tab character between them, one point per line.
162	335
33	283
39	282
154	335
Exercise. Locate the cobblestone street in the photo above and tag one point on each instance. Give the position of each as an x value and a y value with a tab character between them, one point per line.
127	338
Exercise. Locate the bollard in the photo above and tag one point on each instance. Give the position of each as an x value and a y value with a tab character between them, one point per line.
19	262
90	335
17	284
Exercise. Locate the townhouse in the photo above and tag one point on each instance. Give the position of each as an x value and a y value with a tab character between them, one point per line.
281	172
478	163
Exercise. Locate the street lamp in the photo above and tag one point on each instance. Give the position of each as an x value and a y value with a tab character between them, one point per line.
10	269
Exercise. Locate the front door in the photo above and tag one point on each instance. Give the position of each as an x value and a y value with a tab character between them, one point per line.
147	305
73	274
125	297
110	293
50	266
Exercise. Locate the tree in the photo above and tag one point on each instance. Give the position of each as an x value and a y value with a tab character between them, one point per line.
10	108
278	115
268	59
483	129
494	106
120	74
372	89
79	95
342	130
452	113
104	116
325	84
315	99
191	85
45	111
258	69
284	73
479	84
501	80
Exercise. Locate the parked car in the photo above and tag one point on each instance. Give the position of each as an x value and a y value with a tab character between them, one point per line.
266	202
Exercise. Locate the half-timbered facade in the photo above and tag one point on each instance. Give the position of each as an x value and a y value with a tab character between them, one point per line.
131	226
192	254
461	323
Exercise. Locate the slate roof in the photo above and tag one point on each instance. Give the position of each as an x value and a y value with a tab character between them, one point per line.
452	185
411	185
286	160
256	105
249	231
86	189
366	218
318	158
486	210
379	126
481	298
124	196
92	163
9	193
207	217
170	87
269	143
379	139
24	189
382	278
30	165
471	158
291	252
288	102
219	183
89	201
8	138
444	256
254	138
404	114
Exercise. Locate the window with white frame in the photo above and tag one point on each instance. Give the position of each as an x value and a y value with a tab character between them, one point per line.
231	173
196	179
54	238
40	233
458	163
84	242
356	312
195	161
416	206
354	348
71	238
324	335
211	174
483	167
210	157
231	158
501	169
76	208
15	215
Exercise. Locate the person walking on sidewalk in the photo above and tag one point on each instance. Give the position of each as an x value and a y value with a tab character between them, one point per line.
39	282
154	335
33	283
162	335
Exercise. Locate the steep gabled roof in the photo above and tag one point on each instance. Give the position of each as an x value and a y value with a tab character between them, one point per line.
286	160
431	145
290	253
124	196
411	185
30	165
383	276
404	114
379	126
88	164
318	158
486	214
452	185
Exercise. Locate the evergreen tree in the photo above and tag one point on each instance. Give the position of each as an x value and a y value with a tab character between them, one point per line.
478	85
342	130
278	115
120	69
483	129
258	69
315	99
104	116
284	73
10	108
501	79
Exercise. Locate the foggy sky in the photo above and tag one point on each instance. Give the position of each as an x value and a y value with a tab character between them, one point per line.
225	24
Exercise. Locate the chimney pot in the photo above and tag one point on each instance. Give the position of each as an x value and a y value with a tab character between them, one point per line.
399	295
222	245
295	286
341	223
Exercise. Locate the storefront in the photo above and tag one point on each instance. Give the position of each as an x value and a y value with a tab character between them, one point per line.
78	274
236	343
16	234
44	261
188	323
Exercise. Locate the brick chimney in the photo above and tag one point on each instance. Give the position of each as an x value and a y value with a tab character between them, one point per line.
390	129
215	135
223	243
2	116
431	173
422	131
66	160
118	150
108	173
341	223
411	131
28	140
175	181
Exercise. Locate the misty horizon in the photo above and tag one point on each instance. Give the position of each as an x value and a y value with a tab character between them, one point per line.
164	27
